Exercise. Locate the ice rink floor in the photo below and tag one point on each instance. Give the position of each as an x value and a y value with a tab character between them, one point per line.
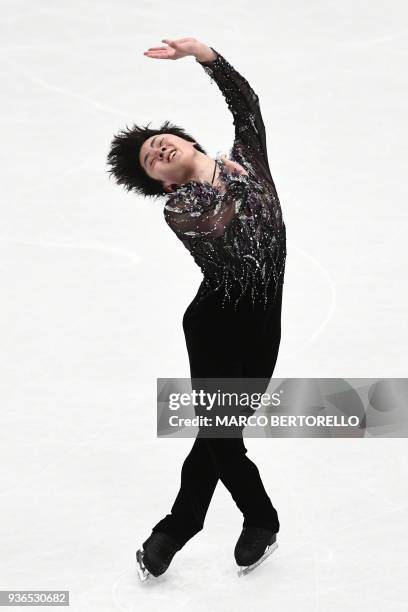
94	286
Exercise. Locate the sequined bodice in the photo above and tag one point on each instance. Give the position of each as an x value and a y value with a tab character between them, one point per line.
236	234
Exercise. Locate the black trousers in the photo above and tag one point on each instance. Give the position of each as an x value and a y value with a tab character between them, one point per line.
223	342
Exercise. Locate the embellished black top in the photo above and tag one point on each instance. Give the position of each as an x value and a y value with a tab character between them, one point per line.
236	236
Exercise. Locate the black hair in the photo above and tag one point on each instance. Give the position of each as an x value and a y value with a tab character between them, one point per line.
123	157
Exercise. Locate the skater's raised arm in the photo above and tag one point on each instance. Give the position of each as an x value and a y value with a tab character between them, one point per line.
241	99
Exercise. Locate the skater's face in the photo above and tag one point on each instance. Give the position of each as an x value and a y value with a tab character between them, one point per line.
168	158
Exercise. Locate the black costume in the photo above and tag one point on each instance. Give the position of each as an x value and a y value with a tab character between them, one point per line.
233	325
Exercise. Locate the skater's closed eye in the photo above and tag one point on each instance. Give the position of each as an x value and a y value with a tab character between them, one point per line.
151	158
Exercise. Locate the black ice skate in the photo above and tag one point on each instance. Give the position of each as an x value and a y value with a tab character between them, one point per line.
254	545
156	555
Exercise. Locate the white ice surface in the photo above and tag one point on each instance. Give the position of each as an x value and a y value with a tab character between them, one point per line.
94	286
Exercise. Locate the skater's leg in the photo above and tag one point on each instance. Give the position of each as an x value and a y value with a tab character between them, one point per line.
260	363
198	482
241	477
198	475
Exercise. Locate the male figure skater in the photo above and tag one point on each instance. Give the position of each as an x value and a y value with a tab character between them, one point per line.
227	213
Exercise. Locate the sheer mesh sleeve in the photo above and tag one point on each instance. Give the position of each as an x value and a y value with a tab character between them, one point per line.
243	103
196	223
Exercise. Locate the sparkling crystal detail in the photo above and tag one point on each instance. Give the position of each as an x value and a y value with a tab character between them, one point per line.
237	236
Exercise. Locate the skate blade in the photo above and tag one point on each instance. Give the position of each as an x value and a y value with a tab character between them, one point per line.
243	570
142	571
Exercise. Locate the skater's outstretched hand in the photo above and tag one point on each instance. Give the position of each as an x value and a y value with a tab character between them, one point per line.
182	47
